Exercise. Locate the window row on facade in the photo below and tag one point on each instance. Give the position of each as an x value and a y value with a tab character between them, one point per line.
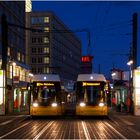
39	20
20	56
44	70
44	60
40	40
40	50
41	29
17	71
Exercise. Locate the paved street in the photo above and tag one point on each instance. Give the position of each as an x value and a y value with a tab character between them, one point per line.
118	125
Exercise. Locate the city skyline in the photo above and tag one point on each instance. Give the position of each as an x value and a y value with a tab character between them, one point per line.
110	26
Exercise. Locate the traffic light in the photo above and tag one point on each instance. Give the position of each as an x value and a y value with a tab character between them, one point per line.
4	27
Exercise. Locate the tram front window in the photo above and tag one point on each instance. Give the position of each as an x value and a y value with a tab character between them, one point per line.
91	95
44	95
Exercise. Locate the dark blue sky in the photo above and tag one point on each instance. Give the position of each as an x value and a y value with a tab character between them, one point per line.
110	25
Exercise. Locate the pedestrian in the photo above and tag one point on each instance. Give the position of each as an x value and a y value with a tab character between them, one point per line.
128	104
122	106
113	102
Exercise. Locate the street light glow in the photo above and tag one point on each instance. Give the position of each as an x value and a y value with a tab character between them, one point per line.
31	75
14	63
113	74
130	62
91	77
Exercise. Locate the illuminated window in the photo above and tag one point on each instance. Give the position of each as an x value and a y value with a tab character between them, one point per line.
8	53
18	56
46	40
22	57
46	50
46	70
46	60
86	59
46	29
46	19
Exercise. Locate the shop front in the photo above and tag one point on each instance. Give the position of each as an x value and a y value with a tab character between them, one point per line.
120	93
21	100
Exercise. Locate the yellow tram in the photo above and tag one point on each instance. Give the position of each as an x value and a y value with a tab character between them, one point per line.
91	95
46	96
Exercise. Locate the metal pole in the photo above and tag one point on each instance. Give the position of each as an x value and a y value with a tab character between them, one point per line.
13	86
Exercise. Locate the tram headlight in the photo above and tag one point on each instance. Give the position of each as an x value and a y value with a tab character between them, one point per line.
82	104
54	104
101	104
35	104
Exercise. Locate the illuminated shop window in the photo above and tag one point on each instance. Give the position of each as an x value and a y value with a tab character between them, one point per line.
46	60
46	50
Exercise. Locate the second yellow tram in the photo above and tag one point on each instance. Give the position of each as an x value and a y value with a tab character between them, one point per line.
91	95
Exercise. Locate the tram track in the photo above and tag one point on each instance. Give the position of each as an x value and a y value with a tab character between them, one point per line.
69	129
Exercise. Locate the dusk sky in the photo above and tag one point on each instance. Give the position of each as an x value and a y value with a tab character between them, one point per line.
110	25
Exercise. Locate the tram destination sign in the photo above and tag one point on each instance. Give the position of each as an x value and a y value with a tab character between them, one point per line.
45	84
90	84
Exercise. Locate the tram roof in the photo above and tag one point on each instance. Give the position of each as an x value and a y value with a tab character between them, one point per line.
46	77
91	77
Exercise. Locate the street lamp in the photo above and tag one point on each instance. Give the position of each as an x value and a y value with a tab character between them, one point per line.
113	74
30	76
13	65
130	63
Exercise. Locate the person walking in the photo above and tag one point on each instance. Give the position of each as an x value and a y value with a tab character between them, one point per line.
114	102
128	104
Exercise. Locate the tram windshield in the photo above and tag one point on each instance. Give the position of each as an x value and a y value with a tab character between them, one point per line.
90	94
46	94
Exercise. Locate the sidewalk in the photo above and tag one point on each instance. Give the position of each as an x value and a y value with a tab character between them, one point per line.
14	117
131	121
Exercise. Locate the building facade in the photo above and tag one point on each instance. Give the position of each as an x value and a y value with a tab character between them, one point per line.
53	48
14	97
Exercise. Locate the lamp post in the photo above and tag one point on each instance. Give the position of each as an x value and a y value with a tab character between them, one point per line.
30	77
13	64
130	64
113	74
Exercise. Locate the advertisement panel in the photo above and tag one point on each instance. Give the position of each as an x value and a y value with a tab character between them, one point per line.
136	84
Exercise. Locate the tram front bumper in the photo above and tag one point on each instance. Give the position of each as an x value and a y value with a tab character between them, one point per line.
45	111
91	111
